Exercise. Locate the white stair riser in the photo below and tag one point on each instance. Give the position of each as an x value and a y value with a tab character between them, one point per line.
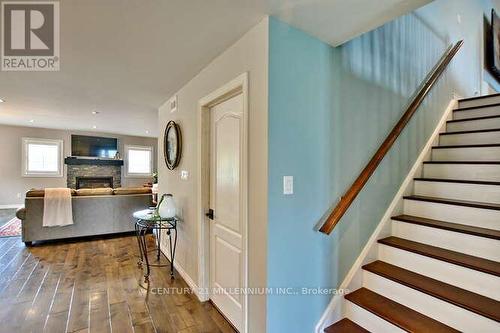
482	247
430	306
472	125
462	277
486	172
479	102
470	138
459	191
479	112
466	154
478	217
368	320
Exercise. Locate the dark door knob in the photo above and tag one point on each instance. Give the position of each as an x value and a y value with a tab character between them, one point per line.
210	214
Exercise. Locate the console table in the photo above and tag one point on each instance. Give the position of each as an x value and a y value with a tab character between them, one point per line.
147	220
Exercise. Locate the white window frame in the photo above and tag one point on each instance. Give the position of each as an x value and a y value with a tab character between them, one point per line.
60	147
138	175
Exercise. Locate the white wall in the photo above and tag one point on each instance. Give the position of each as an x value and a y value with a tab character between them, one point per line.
13	186
249	54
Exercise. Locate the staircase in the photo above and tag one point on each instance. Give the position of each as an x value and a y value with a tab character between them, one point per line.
440	269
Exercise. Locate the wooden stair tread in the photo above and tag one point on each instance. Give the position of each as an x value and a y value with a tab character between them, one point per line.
471	119
345	326
479	145
462	162
456	227
468	300
462	181
471	131
395	313
457	258
465	203
478	97
476	107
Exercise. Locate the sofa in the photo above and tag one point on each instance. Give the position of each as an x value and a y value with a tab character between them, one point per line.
95	212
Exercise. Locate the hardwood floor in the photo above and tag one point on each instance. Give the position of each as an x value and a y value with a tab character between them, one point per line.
6	215
92	286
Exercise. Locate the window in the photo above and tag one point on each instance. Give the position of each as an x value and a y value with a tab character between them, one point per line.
42	158
139	161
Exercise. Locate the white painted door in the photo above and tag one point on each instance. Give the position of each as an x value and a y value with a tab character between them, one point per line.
227	247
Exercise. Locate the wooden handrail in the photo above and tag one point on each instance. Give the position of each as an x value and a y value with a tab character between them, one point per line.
351	194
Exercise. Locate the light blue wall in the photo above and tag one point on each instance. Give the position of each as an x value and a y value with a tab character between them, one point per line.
329	110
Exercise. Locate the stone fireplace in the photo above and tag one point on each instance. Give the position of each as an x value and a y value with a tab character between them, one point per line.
92	176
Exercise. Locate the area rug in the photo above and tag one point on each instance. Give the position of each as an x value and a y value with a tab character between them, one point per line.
11	228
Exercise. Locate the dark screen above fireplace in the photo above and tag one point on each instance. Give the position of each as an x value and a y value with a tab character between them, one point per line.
93	146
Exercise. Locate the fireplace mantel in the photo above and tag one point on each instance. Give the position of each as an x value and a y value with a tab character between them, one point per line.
91	161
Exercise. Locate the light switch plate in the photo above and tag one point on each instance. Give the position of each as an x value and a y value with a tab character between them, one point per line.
287	185
184	174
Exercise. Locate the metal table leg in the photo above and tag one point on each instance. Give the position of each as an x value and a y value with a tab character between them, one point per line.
143	238
137	235
172	249
158	243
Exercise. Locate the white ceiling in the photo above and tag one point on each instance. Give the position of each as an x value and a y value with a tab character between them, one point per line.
125	58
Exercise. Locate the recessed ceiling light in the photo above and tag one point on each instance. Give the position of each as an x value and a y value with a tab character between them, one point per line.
95	112
2	100
94	127
32	120
147	132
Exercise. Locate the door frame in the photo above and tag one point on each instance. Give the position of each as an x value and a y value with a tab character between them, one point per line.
237	86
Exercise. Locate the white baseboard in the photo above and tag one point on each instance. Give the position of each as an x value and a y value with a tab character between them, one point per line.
11	206
353	279
190	282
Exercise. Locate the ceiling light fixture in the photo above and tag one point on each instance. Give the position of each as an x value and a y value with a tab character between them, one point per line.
147	132
94	127
95	112
2	100
32	121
